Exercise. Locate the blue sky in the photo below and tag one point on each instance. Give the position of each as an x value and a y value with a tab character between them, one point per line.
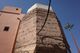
66	10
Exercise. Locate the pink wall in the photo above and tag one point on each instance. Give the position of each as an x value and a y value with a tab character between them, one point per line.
7	37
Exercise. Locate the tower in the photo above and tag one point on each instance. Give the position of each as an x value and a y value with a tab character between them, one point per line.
50	40
8	27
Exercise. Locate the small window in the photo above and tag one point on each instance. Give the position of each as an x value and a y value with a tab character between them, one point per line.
6	28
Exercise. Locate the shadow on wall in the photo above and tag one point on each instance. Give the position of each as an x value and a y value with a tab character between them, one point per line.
55	49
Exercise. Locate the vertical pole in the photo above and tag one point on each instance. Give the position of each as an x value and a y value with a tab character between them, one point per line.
74	41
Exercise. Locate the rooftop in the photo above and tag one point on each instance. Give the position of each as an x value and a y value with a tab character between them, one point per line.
38	5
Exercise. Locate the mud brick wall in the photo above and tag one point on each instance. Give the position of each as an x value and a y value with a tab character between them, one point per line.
50	40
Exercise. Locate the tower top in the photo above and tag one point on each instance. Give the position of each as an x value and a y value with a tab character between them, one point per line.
12	9
38	5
